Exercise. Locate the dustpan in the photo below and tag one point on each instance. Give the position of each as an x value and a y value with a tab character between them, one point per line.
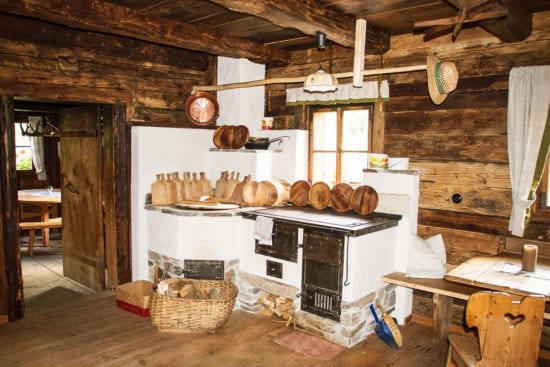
386	328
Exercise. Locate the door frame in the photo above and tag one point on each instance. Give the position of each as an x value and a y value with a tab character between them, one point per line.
118	250
12	306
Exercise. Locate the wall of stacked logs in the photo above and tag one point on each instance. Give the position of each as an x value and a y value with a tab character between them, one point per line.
460	146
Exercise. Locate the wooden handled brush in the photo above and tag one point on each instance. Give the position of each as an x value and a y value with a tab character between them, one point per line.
386	328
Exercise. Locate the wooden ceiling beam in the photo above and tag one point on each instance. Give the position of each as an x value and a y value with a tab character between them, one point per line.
108	18
310	17
515	27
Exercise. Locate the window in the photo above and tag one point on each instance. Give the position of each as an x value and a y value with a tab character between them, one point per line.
541	207
339	141
23	151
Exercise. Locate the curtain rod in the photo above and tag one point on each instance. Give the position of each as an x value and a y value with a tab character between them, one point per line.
300	79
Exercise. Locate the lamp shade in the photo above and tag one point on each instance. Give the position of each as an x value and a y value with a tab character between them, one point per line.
320	82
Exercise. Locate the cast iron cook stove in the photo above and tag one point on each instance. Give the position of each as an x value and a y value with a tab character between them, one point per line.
324	249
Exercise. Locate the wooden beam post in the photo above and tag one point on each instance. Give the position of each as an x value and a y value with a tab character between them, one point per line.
109	18
12	307
310	17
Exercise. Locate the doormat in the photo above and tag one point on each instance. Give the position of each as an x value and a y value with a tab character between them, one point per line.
310	345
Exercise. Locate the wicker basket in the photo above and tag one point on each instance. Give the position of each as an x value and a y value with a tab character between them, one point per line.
183	315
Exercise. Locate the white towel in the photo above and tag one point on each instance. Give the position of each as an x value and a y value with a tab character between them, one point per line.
263	230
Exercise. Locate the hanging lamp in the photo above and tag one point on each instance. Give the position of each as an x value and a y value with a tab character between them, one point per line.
320	81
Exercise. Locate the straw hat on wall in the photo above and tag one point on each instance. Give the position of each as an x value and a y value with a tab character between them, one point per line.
442	79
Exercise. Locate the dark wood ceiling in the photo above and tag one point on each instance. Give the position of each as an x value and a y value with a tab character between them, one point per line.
266	31
261	23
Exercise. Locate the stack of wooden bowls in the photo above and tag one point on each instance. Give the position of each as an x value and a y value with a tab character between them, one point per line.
231	136
342	197
266	193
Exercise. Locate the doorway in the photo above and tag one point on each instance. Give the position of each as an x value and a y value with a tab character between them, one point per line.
105	204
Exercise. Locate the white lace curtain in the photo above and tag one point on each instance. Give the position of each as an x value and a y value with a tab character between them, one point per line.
345	93
528	137
37	148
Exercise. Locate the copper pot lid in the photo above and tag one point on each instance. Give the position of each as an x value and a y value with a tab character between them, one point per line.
202	108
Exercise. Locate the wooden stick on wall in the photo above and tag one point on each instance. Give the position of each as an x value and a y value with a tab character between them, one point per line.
359	52
300	79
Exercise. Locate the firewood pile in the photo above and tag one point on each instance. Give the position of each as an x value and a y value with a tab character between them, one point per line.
279	306
182	288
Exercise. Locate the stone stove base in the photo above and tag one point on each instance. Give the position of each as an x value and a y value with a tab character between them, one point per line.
356	320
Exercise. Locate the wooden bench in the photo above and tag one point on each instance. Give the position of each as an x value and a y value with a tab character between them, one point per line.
443	293
33	226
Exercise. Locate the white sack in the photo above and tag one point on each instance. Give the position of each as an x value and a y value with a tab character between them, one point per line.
427	258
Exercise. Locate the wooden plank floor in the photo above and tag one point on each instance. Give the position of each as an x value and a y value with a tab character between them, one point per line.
44	271
89	330
70	325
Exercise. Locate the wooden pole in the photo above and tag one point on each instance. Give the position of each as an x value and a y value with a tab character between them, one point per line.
300	79
359	52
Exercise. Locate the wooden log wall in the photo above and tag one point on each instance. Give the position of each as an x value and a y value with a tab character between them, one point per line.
42	60
460	146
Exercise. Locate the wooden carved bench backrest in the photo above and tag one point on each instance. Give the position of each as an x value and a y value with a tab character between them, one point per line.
509	332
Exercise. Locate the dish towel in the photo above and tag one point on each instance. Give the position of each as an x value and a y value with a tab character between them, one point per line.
263	230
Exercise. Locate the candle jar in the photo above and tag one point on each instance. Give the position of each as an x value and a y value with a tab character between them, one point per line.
267	123
529	258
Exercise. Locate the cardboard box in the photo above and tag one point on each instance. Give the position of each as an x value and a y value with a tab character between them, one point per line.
134	297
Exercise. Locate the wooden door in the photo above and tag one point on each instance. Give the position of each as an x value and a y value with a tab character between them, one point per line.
81	193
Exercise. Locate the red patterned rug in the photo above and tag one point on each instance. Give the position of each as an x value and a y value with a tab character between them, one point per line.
310	345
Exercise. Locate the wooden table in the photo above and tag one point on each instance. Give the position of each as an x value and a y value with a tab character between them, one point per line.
503	273
43	199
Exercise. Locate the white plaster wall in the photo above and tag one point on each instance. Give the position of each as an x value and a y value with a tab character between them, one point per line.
196	237
258	164
159	150
291	163
243	106
368	258
390	185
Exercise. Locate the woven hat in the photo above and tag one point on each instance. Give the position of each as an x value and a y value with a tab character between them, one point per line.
442	79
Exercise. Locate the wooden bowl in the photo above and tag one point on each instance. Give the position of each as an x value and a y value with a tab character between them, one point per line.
319	195
274	192
364	200
240	136
217	138
340	197
299	193
254	193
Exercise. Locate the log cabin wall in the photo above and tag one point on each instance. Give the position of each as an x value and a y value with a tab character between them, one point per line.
460	146
41	60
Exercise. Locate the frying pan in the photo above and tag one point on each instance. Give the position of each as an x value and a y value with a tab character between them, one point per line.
262	143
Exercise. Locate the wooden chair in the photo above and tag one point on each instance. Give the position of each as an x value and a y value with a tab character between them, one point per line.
508	332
